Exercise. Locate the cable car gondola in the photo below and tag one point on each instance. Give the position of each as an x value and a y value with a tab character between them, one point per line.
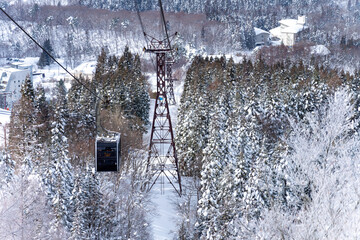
108	153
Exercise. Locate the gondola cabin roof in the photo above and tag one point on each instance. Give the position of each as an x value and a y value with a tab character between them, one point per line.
107	153
115	138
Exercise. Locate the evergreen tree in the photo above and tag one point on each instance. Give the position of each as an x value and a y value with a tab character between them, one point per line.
45	59
87	205
194	116
243	164
214	165
81	126
42	112
41	128
236	171
7	169
121	83
22	138
141	99
58	175
320	170
23	210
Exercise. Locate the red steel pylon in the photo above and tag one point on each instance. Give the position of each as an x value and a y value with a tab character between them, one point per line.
162	160
170	82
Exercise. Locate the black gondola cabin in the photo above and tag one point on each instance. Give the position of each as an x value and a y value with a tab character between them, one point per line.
107	154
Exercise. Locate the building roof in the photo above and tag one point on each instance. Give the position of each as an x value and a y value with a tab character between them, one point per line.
260	31
114	138
7	72
289	22
17	75
294	29
87	68
289	26
276	32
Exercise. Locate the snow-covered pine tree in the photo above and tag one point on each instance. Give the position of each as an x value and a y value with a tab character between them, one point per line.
250	139
58	176
45	59
211	201
23	211
192	128
124	88
22	134
121	81
7	169
101	69
141	98
236	171
88	206
131	85
41	127
322	173
183	128
81	123
42	111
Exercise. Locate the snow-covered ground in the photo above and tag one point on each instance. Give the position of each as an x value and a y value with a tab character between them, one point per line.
165	217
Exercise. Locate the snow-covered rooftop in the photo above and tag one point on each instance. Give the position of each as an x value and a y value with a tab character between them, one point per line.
7	71
87	68
114	138
291	25
260	31
294	29
288	22
276	31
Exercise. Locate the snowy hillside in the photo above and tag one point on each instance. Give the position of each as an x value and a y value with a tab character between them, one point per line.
266	137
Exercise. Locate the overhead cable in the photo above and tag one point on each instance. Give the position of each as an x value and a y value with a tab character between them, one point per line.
75	78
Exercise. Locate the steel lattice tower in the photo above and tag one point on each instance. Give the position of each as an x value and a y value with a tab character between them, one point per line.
170	82
162	160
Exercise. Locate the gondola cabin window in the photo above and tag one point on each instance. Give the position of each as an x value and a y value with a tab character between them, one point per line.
107	154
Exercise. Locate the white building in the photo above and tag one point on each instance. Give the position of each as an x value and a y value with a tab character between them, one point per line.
11	80
289	30
86	69
261	37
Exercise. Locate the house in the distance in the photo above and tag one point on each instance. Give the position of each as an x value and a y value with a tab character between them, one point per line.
262	37
12	77
290	30
86	69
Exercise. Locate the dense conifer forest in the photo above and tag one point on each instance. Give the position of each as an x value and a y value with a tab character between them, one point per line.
267	138
51	171
249	133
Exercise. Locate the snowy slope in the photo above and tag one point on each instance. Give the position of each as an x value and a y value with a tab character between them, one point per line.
165	217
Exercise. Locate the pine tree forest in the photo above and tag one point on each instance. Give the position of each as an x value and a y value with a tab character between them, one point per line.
270	149
267	134
49	186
